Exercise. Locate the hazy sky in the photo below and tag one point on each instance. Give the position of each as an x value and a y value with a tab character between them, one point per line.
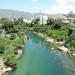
46	6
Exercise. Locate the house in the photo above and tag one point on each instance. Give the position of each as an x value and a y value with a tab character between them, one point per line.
68	20
72	21
2	33
26	21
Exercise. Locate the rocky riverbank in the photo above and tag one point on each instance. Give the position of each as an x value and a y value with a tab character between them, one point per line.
3	67
60	48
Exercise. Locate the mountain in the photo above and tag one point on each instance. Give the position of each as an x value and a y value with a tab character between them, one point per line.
6	13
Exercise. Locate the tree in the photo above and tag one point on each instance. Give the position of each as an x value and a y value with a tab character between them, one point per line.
34	22
70	32
54	23
1	49
57	24
71	14
50	21
20	20
72	38
6	23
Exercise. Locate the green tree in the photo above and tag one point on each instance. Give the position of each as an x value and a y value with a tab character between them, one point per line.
34	22
50	21
6	23
57	24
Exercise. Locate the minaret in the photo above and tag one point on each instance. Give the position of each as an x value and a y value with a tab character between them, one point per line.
41	17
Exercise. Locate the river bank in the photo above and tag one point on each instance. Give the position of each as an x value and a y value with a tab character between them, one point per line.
47	39
39	59
60	48
4	67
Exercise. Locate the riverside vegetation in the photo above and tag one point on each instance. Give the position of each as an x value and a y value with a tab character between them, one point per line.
11	43
13	38
57	30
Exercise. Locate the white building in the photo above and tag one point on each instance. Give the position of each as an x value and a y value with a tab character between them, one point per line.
2	33
43	19
27	21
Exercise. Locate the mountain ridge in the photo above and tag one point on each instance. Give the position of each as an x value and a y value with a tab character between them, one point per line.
8	13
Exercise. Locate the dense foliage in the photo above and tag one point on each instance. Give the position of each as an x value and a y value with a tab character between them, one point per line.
56	29
13	39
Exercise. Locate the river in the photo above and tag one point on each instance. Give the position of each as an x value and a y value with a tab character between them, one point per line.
39	59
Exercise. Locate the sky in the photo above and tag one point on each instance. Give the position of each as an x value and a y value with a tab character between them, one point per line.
34	6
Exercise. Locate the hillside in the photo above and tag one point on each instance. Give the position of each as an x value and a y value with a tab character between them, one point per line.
6	13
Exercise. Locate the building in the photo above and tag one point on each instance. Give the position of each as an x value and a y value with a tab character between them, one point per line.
2	33
27	21
43	19
68	20
72	21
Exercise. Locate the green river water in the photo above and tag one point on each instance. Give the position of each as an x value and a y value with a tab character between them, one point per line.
39	59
